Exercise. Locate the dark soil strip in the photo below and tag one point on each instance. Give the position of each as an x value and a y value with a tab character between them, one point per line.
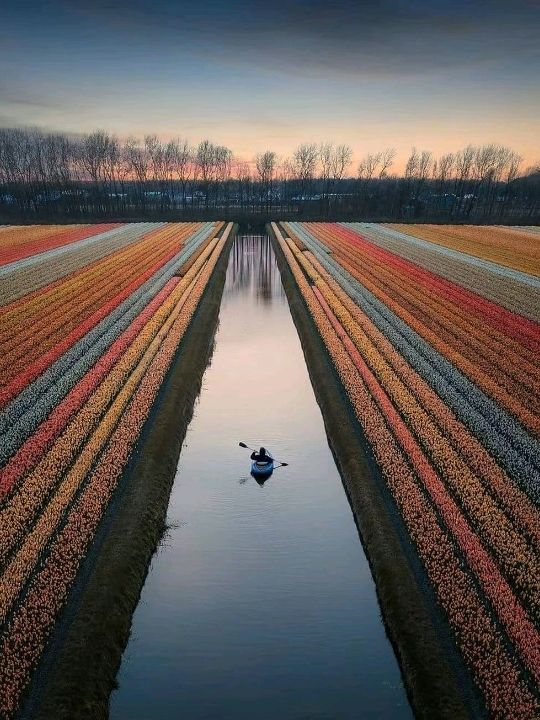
78	671
437	681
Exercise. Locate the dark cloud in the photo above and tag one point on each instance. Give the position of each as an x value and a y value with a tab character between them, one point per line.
315	36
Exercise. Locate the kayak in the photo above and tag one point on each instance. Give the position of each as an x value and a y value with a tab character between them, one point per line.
259	469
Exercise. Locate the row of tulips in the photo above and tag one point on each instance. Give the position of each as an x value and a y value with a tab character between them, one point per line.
437	528
513	291
498	357
33	404
510	328
83	440
515	248
30	274
47	301
17	515
428	452
373	344
77	297
51	518
18	243
489	364
504	437
513	552
26	457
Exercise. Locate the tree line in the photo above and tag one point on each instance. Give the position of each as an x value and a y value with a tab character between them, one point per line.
56	175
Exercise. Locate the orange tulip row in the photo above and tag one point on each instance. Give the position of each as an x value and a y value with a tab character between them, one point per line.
33	617
492	478
24	343
502	367
22	242
447	317
483	647
514	248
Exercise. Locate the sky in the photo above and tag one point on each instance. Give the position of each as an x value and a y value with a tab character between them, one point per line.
257	75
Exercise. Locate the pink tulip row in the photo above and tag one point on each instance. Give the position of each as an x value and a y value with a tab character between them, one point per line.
412	481
22	242
501	367
33	617
43	357
482	465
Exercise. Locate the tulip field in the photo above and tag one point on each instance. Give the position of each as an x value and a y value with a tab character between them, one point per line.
433	331
91	318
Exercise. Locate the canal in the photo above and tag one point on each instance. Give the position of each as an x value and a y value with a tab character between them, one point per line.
260	601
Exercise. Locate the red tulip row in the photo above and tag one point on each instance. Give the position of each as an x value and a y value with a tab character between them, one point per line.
416	289
22	242
96	296
490	383
33	617
31	452
525	331
369	340
412	481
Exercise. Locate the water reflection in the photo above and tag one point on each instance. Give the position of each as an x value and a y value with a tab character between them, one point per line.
253	270
261	605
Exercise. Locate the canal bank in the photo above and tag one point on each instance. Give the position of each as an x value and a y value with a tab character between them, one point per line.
78	670
437	680
260	602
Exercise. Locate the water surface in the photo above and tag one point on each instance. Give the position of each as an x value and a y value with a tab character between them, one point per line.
260	604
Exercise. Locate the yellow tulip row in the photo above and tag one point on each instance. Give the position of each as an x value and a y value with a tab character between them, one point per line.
494	667
31	621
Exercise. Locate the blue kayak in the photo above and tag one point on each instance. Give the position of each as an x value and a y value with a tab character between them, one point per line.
259	469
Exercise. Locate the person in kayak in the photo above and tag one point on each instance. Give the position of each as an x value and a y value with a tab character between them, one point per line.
261	456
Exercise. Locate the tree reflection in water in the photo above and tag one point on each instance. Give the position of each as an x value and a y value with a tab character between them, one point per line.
253	270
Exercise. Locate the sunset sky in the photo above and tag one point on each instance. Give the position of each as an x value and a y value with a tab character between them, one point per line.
257	75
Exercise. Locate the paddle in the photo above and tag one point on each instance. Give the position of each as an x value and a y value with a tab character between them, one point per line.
281	464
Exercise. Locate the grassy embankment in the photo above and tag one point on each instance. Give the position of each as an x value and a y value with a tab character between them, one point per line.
78	671
438	684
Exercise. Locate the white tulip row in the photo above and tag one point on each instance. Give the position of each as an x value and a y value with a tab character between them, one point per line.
501	434
23	415
25	276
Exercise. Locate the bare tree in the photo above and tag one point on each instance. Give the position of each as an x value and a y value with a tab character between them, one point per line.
368	165
388	156
183	163
136	160
334	162
205	162
305	164
265	163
